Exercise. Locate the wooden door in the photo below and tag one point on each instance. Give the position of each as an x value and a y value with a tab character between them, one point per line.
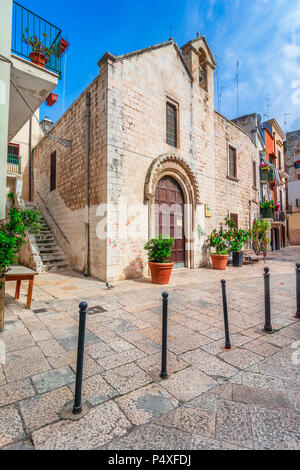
169	216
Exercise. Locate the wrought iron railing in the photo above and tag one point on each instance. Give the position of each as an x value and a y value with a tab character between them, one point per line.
36	39
13	164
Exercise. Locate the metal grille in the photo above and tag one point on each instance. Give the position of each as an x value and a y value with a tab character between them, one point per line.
36	39
171	125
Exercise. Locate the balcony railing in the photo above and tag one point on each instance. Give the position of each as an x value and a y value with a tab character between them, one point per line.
36	39
13	164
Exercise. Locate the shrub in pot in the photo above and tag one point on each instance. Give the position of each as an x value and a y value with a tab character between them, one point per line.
159	254
259	236
267	209
219	241
13	231
237	239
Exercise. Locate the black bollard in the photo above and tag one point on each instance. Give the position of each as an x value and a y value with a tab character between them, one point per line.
77	408
298	289
268	326
164	373
225	309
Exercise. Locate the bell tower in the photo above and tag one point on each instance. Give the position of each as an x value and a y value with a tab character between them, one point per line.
201	63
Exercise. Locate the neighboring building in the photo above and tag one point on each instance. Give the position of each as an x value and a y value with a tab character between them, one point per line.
292	152
19	159
250	123
25	81
275	189
145	135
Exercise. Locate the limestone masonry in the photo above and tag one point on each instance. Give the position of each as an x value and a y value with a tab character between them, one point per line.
120	152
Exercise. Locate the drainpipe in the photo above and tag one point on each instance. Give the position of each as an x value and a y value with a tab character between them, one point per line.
30	160
87	183
250	221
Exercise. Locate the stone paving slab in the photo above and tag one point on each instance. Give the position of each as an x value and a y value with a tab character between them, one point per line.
117	360
127	378
11	427
16	391
24	363
191	420
210	365
188	384
96	390
44	409
99	426
52	379
146	403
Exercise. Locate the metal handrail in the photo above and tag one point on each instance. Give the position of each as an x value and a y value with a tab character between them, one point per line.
44	204
26	25
14	163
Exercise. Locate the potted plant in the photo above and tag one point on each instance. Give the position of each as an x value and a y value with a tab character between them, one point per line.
259	236
159	254
13	231
264	172
41	54
219	240
237	239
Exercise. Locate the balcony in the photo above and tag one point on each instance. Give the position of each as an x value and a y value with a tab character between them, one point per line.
36	39
36	56
13	164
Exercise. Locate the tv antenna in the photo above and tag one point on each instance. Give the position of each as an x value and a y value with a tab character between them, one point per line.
237	87
268	107
285	121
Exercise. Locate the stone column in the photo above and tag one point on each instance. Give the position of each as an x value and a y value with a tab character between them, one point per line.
5	66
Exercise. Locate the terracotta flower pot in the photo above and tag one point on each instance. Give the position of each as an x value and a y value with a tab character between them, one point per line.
219	262
161	273
38	58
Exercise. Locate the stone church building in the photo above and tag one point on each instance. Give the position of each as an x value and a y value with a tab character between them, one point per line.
145	136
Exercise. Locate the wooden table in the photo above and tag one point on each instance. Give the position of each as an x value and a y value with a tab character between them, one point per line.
19	274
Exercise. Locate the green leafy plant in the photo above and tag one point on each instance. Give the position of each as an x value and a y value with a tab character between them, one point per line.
39	46
268	204
11	196
160	249
237	238
13	235
259	235
219	240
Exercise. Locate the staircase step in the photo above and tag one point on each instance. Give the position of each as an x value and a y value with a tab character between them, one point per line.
56	266
52	259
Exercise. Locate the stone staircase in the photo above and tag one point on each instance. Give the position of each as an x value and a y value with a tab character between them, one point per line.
50	253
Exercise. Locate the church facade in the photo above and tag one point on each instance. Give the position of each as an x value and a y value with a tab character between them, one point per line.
149	155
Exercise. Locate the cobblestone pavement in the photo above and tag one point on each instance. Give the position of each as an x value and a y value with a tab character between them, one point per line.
247	398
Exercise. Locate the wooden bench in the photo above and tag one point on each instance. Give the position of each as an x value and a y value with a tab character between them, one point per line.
19	274
251	256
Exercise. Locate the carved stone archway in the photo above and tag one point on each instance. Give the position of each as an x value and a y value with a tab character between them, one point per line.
179	169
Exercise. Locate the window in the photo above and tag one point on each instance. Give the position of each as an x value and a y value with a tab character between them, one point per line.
254	174
279	159
172	124
281	199
235	219
53	171
13	149
232	163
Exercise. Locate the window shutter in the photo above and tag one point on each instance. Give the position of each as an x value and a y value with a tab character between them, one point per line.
53	172
235	219
232	162
171	125
254	175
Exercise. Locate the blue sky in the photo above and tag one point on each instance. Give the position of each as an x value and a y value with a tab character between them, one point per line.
263	35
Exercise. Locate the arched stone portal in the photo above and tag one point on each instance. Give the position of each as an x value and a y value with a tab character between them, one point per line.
178	169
